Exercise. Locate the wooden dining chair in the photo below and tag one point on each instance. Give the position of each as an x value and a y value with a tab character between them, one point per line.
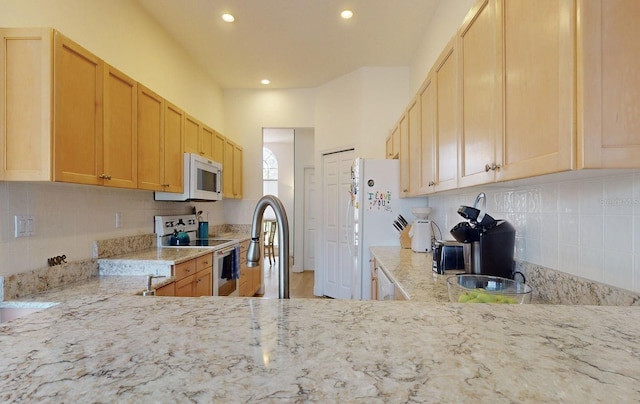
270	233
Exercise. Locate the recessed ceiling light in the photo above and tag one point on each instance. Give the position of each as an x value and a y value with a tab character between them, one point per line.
265	81
228	17
346	14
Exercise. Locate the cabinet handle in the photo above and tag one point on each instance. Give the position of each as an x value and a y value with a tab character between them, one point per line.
205	262
492	167
104	177
431	184
165	185
405	190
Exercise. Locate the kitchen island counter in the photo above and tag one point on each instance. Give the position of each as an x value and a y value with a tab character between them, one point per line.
136	349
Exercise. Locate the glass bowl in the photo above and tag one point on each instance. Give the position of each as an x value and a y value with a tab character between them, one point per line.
487	289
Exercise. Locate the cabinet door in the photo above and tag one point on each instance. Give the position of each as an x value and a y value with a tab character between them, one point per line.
167	290
191	135
77	105
427	96
26	72
227	170
203	283
539	89
608	83
415	141
403	133
150	136
186	287
120	129
237	171
388	146
206	142
446	141
218	148
173	157
480	95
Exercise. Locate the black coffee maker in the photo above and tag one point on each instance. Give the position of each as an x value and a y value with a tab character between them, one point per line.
488	243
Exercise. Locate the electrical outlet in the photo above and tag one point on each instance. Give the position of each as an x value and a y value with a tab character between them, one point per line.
118	220
25	226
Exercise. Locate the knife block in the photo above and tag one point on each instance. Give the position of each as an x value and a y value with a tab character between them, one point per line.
405	240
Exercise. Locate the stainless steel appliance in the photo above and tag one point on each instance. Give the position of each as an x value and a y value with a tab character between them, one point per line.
488	243
448	255
202	181
223	282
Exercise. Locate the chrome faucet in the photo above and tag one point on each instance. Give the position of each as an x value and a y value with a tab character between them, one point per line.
253	253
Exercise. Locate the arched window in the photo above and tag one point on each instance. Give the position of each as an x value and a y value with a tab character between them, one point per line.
269	172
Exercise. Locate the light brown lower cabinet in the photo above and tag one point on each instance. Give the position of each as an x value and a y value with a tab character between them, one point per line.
167	290
250	281
193	278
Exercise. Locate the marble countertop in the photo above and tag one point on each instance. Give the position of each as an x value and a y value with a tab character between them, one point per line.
103	344
217	349
412	273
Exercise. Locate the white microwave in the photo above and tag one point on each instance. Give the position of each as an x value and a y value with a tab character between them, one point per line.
202	181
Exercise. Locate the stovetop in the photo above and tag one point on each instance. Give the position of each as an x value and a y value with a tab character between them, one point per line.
166	225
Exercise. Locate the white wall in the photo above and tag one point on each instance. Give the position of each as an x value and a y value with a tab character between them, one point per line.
304	155
359	109
70	217
247	112
446	20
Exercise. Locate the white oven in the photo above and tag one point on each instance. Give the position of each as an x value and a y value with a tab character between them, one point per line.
202	181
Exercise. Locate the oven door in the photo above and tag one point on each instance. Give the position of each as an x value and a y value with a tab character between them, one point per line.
223	284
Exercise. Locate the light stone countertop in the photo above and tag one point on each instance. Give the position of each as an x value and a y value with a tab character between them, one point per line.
102	344
217	349
412	273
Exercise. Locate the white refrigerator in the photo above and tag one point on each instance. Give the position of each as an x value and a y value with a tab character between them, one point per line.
375	206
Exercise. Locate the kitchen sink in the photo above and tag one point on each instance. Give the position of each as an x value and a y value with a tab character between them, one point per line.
10	311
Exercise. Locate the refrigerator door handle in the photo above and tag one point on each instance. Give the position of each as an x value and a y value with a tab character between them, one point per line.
349	235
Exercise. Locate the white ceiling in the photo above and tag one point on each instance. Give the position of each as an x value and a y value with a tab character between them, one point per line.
294	43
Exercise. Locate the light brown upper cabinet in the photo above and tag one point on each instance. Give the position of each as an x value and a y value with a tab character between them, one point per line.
120	163
393	144
415	146
150	140
26	113
427	134
539	89
232	171
218	147
206	141
191	135
78	114
480	95
173	155
447	117
66	103
403	133
608	84
237	172
198	138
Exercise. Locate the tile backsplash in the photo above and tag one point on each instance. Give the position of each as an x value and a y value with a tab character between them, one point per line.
69	218
588	227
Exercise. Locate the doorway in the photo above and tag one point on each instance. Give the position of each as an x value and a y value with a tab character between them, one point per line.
293	149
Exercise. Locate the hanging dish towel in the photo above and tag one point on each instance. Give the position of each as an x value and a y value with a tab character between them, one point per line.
235	263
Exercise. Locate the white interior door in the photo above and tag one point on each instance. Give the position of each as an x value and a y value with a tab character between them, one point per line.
310	219
337	259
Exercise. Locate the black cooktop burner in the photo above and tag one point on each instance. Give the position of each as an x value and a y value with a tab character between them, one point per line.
207	242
